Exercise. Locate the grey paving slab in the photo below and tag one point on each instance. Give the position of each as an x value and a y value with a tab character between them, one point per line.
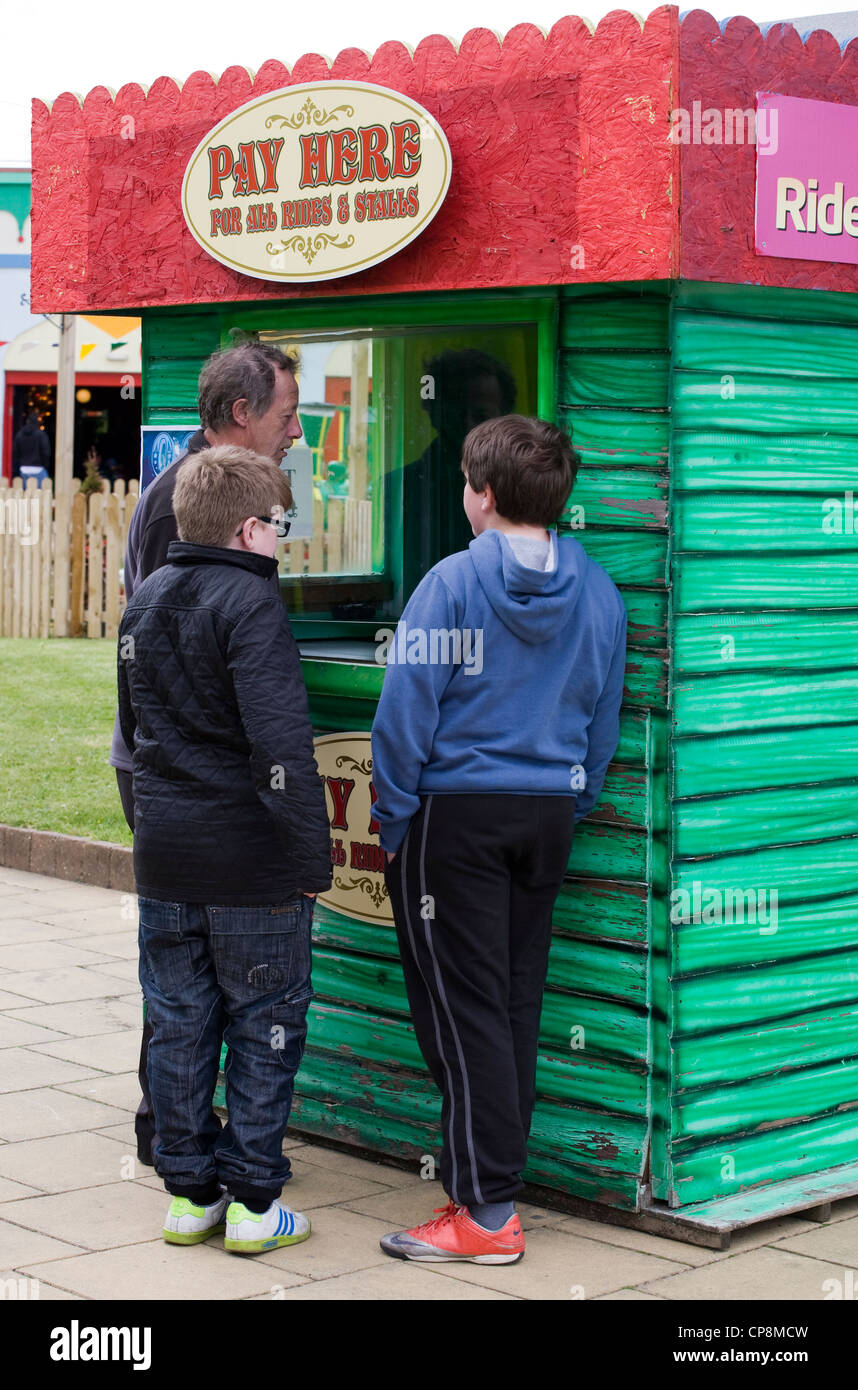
21	905
311	1186
48	955
120	1213
80	1160
15	930
66	896
34	1114
340	1241
22	879
768	1272
99	1015
122	1090
23	1287
627	1296
123	970
89	921
763	1233
110	1052
123	1133
837	1241
17	1032
155	1271
8	1000
63	985
120	945
24	1070
561	1266
22	1243
403	1207
402	1281
352	1165
11	1191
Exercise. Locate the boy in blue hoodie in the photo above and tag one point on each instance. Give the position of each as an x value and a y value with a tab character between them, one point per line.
497	721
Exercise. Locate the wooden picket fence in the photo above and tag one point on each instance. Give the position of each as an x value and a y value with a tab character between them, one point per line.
345	547
93	530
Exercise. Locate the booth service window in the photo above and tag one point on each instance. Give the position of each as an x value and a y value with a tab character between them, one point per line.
376	478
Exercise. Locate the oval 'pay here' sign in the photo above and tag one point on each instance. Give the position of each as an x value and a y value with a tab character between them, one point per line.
316	181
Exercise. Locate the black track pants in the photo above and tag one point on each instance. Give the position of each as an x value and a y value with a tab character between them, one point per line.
473	888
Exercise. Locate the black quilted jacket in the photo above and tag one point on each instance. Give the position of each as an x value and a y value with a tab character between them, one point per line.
229	807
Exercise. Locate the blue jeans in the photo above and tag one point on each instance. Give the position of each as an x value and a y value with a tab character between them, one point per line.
242	973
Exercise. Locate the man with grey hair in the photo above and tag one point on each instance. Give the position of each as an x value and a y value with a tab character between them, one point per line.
248	396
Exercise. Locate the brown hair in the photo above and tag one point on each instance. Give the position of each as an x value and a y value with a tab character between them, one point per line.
529	465
218	489
245	372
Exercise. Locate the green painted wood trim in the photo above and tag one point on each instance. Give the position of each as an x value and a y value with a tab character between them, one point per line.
713	644
816	871
721	462
715	1000
731	1111
764	700
745	762
637	381
773	1198
791	1152
618	438
751	582
747	820
630	557
618	497
811	1038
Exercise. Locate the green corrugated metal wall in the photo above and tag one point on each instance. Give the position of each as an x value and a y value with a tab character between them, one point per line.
763	1014
703	1056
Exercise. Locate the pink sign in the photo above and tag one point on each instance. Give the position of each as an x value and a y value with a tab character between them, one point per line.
807	179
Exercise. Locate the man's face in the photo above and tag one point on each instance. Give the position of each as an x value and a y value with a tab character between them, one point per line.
273	433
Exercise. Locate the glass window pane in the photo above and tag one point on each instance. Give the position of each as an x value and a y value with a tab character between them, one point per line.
377	476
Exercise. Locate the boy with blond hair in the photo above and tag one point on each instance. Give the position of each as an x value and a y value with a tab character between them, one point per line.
231	845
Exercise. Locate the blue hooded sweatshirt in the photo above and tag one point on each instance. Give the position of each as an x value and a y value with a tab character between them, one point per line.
500	678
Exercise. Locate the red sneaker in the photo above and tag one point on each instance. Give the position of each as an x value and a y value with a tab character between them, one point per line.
454	1236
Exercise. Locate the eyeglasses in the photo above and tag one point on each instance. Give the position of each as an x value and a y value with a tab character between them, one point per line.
281	527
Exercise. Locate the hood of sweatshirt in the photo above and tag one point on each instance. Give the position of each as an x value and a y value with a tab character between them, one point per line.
533	604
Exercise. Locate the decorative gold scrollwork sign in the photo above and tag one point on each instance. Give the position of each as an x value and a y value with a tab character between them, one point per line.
357	859
316	181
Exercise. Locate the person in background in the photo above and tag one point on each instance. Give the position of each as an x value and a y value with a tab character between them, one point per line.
468	386
231	844
247	396
31	451
485	756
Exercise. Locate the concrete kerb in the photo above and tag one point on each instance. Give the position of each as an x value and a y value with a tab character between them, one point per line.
96	862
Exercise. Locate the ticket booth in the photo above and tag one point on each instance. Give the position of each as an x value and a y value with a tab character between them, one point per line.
456	233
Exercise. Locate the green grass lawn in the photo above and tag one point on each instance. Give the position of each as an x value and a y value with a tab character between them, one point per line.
57	702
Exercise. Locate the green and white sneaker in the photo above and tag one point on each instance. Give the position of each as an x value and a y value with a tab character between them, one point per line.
188	1224
248	1233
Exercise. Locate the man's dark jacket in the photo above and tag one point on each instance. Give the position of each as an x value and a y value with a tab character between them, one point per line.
153	527
229	805
31	448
